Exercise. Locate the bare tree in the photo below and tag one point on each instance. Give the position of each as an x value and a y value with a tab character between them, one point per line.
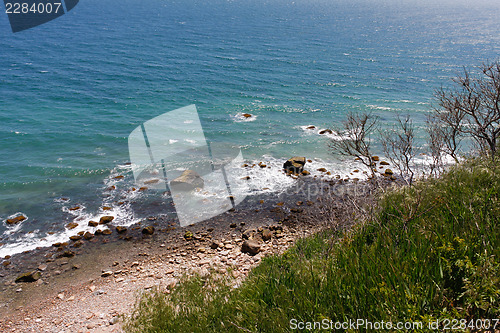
435	141
398	146
356	142
473	106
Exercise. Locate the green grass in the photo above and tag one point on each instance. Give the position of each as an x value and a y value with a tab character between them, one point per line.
430	252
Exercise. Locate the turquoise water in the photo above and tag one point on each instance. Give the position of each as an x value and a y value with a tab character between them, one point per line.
72	90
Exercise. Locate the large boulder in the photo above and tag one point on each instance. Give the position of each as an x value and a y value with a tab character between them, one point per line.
251	247
295	164
188	181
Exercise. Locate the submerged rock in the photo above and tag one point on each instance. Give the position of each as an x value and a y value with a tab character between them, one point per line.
188	181
247	115
295	164
121	229
93	224
28	277
71	225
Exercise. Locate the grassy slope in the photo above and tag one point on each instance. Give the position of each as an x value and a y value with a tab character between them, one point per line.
431	251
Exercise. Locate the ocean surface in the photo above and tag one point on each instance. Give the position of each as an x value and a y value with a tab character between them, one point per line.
72	90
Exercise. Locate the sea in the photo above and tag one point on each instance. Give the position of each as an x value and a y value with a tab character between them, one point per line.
72	90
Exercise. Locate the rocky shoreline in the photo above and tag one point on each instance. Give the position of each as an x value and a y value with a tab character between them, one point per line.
88	283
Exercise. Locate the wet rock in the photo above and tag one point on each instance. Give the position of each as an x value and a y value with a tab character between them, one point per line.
233	225
149	230
326	131
384	163
322	170
68	254
42	267
251	247
266	234
214	245
188	181
311	127
375	158
388	172
247	115
98	232
28	277
121	229
106	208
295	164
88	235
245	178
15	220
107	232
305	173
58	244
93	224
77	244
106	219
75	238
75	208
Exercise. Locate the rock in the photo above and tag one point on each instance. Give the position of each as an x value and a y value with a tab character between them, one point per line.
42	267
98	232
295	164
106	273
106	219
247	115
107	232
384	163
326	131
88	235
311	127
389	172
305	173
28	277
214	245
232	225
106	208
113	321
251	247
375	158
75	208
93	224
322	170
16	220
188	181
188	235
266	234
149	230
68	254
121	230
245	178
201	250
77	244
75	238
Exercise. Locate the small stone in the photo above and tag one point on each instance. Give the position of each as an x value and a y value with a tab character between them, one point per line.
42	267
214	245
71	225
305	173
113	321
149	230
106	273
247	115
232	225
266	234
75	238
188	235
88	235
121	229
107	232
75	208
389	172
68	254
384	163
201	250
93	224
322	170
375	158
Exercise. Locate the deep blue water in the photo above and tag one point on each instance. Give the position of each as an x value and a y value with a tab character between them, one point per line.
72	90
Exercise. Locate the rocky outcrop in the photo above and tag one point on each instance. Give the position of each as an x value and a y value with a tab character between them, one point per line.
188	181
295	164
